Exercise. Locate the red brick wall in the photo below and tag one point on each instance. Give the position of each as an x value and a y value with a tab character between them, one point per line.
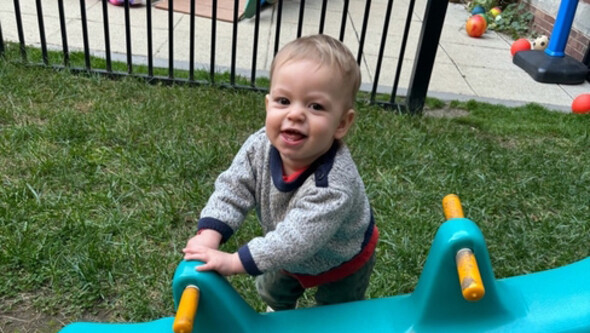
577	42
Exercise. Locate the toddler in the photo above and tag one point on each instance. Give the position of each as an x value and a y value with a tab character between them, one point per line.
299	176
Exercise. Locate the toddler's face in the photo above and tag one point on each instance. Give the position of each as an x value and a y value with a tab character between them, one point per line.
306	110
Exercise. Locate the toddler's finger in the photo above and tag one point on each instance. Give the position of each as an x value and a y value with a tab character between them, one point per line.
203	268
193	256
193	249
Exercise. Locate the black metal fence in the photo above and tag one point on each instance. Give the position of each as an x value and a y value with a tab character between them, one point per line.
365	26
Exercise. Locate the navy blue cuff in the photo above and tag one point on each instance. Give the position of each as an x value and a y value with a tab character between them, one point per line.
219	226
248	261
369	232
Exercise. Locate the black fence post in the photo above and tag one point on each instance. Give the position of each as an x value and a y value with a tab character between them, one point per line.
42	32
64	34
85	37
434	17
1	42
21	34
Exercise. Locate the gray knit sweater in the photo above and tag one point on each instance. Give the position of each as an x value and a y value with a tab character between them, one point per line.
313	224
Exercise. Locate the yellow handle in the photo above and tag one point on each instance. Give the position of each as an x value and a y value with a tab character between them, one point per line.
452	207
187	310
469	277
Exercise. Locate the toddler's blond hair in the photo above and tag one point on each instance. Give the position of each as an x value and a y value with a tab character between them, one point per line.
326	51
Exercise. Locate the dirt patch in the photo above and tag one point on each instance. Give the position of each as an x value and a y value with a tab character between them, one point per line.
23	317
29	322
32	321
447	112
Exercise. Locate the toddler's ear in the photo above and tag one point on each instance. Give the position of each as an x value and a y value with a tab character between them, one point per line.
345	123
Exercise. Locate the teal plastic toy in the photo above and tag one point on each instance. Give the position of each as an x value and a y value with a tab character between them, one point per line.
448	298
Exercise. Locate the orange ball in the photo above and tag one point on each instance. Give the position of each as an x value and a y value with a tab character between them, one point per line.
476	25
521	44
581	104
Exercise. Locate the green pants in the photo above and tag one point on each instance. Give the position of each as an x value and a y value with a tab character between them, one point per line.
281	291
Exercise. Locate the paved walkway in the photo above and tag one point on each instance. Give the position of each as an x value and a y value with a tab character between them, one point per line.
465	68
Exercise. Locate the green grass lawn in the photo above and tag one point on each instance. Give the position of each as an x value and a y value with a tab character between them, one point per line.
102	182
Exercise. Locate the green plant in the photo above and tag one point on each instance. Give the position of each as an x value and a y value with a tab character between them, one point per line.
515	21
489	4
505	3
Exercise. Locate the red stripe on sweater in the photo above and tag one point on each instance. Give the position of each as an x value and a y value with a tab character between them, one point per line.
342	271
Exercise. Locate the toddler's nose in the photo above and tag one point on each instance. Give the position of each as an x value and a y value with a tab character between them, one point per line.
296	113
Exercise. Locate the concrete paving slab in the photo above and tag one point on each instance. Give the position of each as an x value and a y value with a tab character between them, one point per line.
446	78
244	45
137	16
458	35
454	84
393	42
30	28
518	86
377	13
390	61
311	21
480	56
577	89
117	34
289	32
456	16
50	8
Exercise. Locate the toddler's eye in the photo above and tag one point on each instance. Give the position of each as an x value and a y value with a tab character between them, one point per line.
317	107
283	101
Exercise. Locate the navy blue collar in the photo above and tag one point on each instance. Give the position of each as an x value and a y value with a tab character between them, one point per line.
320	167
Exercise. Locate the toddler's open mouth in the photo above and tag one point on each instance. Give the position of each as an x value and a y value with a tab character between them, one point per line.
292	136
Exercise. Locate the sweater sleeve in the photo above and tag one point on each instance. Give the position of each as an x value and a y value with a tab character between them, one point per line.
234	195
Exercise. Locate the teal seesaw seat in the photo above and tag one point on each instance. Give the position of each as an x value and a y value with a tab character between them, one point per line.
556	300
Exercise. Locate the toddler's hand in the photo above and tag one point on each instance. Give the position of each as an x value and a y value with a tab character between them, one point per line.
206	238
222	262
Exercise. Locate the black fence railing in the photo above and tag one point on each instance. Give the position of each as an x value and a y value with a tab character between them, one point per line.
378	31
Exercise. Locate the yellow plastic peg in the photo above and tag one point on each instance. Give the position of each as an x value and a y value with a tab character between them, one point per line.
469	276
452	207
187	310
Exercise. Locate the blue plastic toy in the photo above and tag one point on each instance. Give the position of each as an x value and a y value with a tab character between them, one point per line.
478	9
552	65
455	293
